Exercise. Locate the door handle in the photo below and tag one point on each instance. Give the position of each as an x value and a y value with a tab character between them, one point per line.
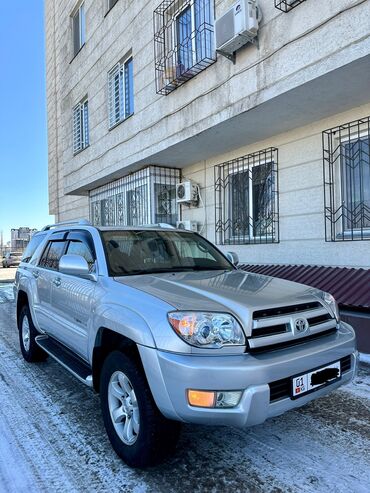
36	274
57	281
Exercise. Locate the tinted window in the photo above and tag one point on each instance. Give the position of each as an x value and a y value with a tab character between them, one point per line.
145	252
32	247
82	249
51	256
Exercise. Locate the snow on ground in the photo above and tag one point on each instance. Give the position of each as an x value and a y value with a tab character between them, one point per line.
52	439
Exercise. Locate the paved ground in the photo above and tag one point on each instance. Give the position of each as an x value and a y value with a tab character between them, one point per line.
7	274
52	439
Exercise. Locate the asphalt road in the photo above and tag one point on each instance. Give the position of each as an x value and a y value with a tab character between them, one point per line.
52	439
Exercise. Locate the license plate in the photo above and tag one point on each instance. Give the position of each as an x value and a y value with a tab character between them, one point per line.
314	379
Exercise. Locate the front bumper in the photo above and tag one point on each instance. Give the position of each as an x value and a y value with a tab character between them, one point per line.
170	375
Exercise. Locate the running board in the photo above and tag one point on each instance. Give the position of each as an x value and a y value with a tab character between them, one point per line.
66	358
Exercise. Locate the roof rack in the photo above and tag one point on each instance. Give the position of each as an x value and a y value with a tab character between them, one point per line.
82	222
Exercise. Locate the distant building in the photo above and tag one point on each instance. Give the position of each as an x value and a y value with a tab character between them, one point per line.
20	238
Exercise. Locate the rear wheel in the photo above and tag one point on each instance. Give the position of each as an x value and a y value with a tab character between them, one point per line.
138	432
27	333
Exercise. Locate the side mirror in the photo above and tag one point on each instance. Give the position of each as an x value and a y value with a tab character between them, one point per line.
75	265
232	257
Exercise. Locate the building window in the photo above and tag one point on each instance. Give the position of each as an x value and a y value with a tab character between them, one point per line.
287	5
246	191
147	196
183	41
346	153
121	92
111	4
78	28
80	126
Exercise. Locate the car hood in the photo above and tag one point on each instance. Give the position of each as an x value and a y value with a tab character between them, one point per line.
236	291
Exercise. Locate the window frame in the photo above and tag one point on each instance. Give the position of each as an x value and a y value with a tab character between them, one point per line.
47	249
120	70
77	11
341	184
224	191
229	205
82	111
110	7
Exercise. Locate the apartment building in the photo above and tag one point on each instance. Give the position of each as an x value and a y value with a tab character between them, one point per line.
275	139
20	237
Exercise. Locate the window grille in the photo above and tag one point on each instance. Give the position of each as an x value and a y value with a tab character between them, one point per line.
246	198
78	28
121	92
346	157
287	5
183	41
80	126
147	196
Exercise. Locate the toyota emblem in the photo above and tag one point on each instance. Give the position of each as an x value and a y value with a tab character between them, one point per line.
300	325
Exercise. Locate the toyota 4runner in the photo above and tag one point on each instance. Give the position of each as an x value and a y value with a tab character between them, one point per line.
168	330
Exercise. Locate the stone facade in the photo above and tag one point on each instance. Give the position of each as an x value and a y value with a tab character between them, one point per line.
310	71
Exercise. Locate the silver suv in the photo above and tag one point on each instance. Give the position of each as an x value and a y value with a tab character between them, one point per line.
168	330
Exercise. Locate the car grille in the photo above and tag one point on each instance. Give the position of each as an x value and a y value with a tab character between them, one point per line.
273	327
281	389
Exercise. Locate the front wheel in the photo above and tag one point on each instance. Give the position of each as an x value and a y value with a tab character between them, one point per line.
27	333
138	432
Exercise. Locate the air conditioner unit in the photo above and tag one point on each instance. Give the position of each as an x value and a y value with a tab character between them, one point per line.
186	192
237	27
188	225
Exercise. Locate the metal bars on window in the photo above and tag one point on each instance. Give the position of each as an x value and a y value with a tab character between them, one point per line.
120	92
287	5
246	199
147	196
346	159
80	126
183	41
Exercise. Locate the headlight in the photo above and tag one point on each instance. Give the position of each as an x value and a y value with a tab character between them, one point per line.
207	330
329	300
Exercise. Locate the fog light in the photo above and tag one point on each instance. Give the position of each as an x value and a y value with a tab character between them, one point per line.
201	398
228	399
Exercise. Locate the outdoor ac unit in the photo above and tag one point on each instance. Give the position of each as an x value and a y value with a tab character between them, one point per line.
186	192
188	225
238	26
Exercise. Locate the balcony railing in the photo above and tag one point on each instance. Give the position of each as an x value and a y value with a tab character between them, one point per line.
287	5
183	41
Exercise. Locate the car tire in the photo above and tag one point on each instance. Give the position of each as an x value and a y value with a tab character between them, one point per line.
140	435
27	333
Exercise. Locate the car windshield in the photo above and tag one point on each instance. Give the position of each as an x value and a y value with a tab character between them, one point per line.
134	252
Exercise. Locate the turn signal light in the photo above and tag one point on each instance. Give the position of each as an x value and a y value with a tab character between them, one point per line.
204	398
201	398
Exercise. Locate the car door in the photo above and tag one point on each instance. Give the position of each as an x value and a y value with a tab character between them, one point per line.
44	273
72	297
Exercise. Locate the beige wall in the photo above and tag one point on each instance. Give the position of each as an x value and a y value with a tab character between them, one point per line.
312	40
301	200
315	39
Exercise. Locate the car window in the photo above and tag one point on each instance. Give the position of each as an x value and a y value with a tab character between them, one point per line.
147	251
32	247
82	249
51	256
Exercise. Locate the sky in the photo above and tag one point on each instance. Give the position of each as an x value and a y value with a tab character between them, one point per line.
23	135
